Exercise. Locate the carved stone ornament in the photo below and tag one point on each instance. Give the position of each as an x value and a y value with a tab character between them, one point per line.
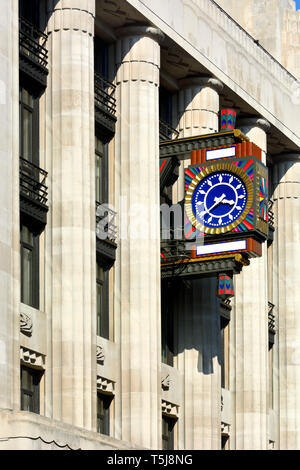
166	382
100	355
26	324
32	357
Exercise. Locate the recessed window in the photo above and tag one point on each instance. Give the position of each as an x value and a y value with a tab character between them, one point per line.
102	302
167	325
224	352
101	171
29	252
28	128
30	389
168	428
103	413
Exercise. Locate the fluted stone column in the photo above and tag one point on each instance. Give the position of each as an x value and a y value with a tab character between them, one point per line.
249	339
198	108
286	281
198	307
137	268
70	237
9	208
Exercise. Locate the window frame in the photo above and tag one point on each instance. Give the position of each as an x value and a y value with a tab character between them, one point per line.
35	393
104	418
34	110
34	249
103	311
169	438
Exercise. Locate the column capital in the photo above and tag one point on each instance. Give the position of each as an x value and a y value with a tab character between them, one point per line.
254	121
140	30
76	15
202	81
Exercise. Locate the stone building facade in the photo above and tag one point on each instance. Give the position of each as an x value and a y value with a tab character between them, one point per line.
96	350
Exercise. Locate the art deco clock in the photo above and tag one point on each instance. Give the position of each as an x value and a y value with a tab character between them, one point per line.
223	198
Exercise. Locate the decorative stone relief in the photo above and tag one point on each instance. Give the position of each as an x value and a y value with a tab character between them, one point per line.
100	355
32	357
105	385
166	382
26	324
169	408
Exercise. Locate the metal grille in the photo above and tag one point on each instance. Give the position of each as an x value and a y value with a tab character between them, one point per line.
104	94
32	43
32	181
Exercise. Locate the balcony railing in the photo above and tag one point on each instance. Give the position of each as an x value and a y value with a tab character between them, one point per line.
105	94
271	214
106	222
271	317
33	43
32	182
167	132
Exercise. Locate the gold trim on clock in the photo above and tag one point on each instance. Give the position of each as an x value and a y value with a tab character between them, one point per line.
193	186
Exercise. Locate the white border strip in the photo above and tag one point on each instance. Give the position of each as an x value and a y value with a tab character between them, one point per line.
220	153
224	247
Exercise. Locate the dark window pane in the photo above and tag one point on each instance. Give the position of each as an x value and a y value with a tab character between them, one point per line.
168	425
102	302
29	267
167	325
103	413
30	389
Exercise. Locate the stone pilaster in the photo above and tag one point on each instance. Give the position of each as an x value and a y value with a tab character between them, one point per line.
286	281
9	207
137	268
70	239
199	323
198	108
249	338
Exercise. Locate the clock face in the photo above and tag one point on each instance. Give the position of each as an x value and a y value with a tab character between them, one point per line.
219	199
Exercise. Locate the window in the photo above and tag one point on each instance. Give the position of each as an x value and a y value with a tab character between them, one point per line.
101	171
168	425
167	324
29	267
225	442
102	302
103	413
29	9
165	105
271	369
28	114
101	57
224	353
30	389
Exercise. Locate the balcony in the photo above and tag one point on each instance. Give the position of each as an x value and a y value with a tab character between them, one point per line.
33	195
105	108
166	132
33	55
106	235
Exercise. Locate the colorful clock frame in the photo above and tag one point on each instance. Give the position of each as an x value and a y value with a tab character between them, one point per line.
254	217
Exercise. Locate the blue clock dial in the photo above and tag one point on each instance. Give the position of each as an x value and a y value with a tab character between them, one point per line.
219	199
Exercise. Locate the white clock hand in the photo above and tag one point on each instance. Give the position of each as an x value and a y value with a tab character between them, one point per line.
217	200
226	201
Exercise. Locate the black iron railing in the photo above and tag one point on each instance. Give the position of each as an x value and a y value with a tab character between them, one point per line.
105	94
271	317
167	132
32	182
173	250
32	43
271	214
106	222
